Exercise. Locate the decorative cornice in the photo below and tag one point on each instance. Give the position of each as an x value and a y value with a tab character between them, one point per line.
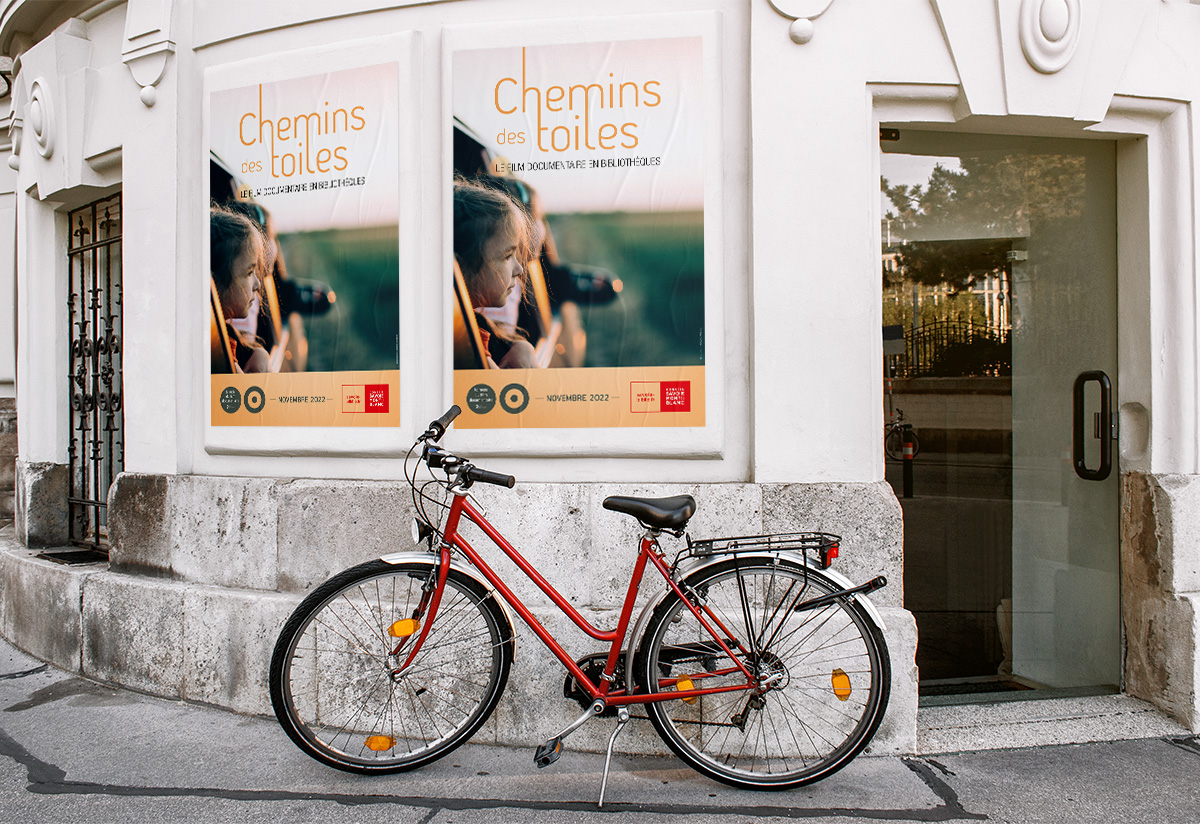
802	13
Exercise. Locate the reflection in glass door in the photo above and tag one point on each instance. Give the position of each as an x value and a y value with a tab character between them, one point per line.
999	274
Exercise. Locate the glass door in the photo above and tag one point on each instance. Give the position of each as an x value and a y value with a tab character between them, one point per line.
999	270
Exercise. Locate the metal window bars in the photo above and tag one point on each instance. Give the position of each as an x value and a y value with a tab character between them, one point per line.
97	447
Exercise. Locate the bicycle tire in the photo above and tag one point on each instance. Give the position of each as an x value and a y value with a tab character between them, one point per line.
830	666
332	683
893	444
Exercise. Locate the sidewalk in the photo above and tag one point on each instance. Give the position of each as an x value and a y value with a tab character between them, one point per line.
73	751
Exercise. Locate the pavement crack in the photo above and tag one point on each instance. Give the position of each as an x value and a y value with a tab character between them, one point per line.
942	768
8	676
924	769
429	815
1190	744
39	772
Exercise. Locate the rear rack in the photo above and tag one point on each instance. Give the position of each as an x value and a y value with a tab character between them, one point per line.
822	545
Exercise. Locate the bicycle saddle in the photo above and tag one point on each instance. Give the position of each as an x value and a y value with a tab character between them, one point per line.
656	513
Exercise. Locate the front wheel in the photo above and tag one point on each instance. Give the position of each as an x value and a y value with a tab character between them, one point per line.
337	683
822	674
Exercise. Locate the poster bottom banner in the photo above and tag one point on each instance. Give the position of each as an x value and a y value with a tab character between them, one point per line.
307	399
580	398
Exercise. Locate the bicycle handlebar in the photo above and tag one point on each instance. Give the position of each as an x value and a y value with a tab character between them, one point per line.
438	428
437	458
484	476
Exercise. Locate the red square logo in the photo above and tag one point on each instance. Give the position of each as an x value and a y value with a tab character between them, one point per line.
377	397
676	396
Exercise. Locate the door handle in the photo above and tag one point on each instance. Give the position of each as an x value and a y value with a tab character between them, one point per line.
1106	426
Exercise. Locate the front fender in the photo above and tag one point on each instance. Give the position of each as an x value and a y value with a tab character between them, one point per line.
430	559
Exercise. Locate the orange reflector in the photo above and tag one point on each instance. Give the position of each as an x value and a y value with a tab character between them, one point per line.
380	743
684	684
404	628
841	684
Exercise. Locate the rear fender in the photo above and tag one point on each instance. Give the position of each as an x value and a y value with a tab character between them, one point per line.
800	559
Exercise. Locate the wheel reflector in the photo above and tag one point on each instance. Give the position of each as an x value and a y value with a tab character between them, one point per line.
841	684
686	684
404	628
380	743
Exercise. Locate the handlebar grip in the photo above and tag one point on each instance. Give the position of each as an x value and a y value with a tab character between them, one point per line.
438	427
483	476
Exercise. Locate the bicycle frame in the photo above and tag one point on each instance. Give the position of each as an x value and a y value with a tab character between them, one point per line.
649	551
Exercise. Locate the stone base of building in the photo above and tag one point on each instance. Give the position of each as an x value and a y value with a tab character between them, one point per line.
8	457
204	571
1160	591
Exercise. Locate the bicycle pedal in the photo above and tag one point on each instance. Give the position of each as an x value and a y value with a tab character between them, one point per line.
548	753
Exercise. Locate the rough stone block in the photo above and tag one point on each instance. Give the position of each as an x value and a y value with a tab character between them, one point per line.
223	531
721	510
138	528
41	504
40	606
228	640
898	731
327	526
867	516
1177	499
206	530
133	632
548	525
1161	636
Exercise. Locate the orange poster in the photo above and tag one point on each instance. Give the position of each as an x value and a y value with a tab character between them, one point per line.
303	280
578	261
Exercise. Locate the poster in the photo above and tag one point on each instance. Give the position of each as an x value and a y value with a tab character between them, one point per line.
601	145
313	162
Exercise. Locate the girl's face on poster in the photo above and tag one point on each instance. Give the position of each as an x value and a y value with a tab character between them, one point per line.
243	283
501	264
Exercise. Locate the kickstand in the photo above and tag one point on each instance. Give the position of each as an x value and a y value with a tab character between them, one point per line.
622	719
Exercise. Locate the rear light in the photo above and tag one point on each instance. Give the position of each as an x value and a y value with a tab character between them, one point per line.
828	554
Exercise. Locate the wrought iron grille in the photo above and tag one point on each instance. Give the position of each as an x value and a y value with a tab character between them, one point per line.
97	451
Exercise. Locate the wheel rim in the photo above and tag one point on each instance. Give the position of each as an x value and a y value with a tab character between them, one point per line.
344	689
819	693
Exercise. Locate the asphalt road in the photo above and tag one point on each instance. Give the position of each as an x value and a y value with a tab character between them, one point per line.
75	751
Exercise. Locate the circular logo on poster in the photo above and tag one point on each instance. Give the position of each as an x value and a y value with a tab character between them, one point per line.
256	399
481	399
514	398
231	399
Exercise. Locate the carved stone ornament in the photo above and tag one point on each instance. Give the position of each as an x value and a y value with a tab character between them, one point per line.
39	117
1050	31
148	45
802	14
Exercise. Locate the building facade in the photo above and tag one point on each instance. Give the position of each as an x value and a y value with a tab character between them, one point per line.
787	113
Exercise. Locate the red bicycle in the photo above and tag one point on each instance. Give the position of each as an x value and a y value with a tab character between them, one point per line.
757	664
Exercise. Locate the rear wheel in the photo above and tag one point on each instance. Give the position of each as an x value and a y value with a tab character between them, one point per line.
337	686
822	675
